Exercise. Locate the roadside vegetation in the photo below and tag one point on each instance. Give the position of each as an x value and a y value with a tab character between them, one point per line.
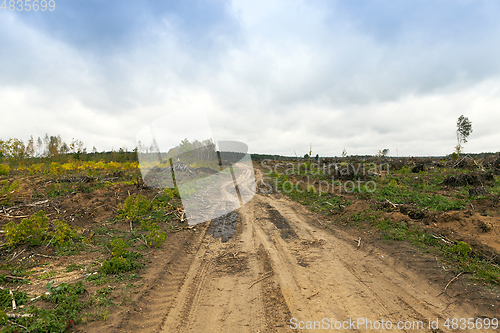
403	200
77	230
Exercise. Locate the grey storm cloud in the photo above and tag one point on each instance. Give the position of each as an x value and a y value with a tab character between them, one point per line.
278	76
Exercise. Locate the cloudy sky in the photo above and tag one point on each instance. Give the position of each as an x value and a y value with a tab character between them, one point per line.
278	75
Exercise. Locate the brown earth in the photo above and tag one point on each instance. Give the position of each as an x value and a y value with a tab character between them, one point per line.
283	262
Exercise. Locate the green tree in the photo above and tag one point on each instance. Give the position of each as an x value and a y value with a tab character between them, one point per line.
464	129
54	145
13	148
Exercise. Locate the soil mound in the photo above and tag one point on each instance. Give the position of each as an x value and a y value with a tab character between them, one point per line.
473	179
417	168
477	191
205	170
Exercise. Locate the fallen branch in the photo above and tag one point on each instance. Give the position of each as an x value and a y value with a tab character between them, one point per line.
6	194
57	210
443	239
144	242
266	275
456	277
18	315
50	241
14	217
43	255
37	203
313	295
390	203
13	278
13	300
479	166
108	249
16	254
19	325
19	216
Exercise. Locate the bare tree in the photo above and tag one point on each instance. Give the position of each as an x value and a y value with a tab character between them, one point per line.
30	148
39	147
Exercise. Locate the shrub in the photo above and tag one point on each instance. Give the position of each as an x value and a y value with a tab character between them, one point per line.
134	208
63	234
36	168
56	168
122	259
155	234
68	166
128	165
35	230
119	247
462	248
172	193
4	169
7	191
116	265
32	229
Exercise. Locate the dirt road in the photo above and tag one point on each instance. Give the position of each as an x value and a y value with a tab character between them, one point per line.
281	270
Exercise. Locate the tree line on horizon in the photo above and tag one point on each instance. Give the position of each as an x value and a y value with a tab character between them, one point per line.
51	147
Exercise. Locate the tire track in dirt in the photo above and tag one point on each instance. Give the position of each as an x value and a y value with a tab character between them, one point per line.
363	285
339	281
155	302
282	264
216	295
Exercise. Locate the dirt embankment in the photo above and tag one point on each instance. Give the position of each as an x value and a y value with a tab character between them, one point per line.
282	268
274	266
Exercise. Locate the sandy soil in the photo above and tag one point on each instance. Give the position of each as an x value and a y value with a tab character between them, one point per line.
282	269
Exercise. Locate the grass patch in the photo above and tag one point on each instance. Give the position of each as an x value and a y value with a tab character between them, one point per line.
34	230
400	194
459	255
66	308
74	267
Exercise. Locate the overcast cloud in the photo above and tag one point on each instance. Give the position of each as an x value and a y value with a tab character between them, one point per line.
279	75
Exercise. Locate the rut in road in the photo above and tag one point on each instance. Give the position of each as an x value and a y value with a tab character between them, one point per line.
280	266
155	302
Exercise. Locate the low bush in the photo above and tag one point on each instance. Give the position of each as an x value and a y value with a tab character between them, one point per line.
35	231
125	263
155	234
122	259
7	191
63	234
67	310
4	169
32	230
133	208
